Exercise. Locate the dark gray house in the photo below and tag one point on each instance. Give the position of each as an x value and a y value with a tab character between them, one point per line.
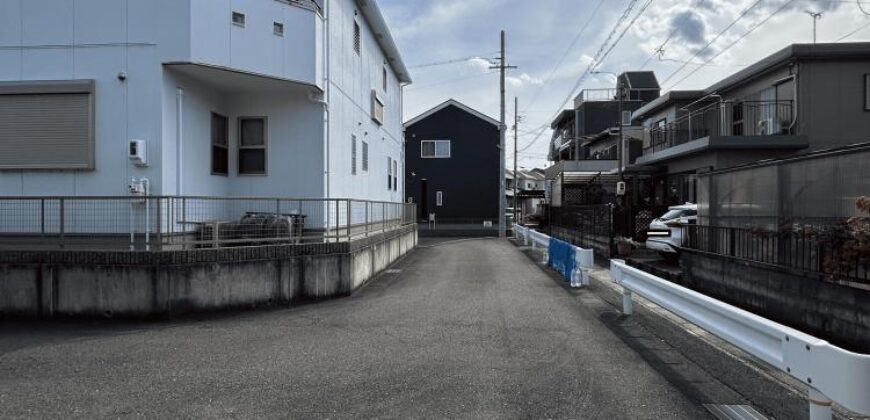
801	99
452	165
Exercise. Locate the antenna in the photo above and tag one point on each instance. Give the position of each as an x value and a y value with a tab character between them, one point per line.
816	17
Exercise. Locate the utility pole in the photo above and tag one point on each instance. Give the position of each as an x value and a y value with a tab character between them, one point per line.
816	17
502	199
516	140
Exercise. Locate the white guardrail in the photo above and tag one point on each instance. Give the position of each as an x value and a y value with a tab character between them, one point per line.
831	373
584	259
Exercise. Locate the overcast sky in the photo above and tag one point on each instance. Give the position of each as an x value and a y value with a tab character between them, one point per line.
540	33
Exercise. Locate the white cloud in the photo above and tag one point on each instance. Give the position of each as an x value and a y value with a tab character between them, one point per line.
429	31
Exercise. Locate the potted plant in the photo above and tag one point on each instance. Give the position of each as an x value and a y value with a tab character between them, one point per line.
623	246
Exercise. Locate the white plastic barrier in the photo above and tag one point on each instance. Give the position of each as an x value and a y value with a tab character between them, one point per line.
831	373
584	258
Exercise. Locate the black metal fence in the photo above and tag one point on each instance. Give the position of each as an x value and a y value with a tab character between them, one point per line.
828	251
589	227
181	222
740	118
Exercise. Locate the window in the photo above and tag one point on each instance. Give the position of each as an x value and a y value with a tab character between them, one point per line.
435	149
47	125
385	79
867	92
389	173
395	175
239	19
377	108
353	155
220	156
252	146
278	28
626	118
357	38
365	157
439	198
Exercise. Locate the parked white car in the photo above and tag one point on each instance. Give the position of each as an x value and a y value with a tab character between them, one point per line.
665	234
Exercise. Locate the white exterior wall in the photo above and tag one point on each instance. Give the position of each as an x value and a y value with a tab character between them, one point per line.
352	78
98	39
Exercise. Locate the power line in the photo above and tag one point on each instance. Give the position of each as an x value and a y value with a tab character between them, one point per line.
451	61
716	38
745	34
564	56
860	7
853	32
600	56
449	81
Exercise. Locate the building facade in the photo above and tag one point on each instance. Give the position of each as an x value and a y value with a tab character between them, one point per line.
452	164
804	98
201	97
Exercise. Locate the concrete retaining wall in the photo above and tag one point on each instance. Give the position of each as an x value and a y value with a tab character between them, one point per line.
58	284
836	313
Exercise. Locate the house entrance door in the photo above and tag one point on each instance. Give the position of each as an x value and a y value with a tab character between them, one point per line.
424	200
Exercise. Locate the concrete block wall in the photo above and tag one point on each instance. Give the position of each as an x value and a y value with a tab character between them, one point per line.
830	311
141	285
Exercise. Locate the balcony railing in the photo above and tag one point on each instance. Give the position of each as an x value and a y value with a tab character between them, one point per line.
597	95
744	118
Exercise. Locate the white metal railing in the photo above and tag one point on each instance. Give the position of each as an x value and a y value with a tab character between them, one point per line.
584	259
831	373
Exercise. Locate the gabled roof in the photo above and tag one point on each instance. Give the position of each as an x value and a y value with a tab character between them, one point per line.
372	13
457	104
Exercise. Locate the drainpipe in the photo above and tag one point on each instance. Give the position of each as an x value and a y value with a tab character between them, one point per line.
326	80
179	140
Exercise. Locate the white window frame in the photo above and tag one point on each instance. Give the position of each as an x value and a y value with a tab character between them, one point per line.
241	22
439	198
264	146
389	173
365	156
435	149
378	108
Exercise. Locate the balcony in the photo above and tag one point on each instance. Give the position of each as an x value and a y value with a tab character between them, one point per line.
589	95
757	118
723	125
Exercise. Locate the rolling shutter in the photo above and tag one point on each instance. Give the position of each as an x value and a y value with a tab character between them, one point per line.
47	126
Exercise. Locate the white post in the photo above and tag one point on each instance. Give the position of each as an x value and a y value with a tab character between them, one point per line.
526	236
626	302
545	258
820	406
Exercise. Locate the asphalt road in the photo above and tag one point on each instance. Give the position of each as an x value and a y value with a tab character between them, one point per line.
467	329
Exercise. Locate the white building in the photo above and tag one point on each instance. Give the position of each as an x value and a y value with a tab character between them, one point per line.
282	98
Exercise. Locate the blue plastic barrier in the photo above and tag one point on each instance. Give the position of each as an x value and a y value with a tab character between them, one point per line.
562	258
